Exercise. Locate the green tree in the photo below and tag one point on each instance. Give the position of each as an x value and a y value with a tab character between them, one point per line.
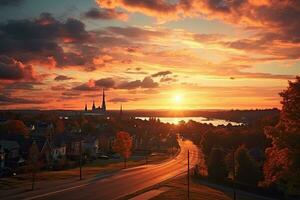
247	170
282	166
217	169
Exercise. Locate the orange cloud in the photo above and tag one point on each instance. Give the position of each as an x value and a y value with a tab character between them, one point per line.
278	16
159	8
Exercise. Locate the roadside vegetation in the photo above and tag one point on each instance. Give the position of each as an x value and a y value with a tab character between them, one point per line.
260	157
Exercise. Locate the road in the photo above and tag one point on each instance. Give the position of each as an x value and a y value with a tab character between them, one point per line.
127	181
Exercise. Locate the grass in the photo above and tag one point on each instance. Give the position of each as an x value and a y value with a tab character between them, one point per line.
89	170
178	190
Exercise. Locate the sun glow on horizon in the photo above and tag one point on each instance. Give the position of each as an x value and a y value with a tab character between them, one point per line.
178	98
177	101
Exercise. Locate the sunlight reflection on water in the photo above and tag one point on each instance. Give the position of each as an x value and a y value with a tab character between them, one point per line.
176	120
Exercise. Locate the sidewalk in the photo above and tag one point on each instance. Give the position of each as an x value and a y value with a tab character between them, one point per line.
47	186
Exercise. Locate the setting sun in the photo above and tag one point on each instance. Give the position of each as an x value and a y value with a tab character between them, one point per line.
178	98
169	92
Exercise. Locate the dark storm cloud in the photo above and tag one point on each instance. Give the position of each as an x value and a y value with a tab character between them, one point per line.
96	85
20	86
105	14
147	82
7	100
10	69
71	94
63	78
161	73
40	40
129	85
109	83
105	83
265	45
224	6
6	3
85	87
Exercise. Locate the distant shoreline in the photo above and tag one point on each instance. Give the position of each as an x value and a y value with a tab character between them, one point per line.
239	116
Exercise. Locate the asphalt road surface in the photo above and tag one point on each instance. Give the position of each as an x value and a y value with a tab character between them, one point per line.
127	181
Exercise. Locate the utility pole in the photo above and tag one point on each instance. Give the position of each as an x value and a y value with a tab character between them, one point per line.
188	175
80	161
233	175
80	157
33	157
33	177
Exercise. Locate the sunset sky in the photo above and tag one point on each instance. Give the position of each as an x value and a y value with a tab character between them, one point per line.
147	54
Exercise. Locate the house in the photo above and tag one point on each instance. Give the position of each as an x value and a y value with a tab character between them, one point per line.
59	152
73	149
10	152
59	148
91	146
72	142
44	148
16	148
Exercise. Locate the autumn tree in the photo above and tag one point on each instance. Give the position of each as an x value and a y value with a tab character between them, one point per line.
15	127
123	145
217	169
247	170
282	166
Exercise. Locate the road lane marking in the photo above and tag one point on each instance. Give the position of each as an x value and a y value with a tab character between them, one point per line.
158	167
55	192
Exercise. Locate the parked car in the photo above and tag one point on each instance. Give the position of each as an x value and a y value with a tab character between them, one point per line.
105	157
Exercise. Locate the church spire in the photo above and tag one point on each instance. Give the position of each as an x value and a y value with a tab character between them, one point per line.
121	111
103	107
94	107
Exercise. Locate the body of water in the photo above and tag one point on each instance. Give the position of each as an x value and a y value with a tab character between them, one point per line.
176	120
